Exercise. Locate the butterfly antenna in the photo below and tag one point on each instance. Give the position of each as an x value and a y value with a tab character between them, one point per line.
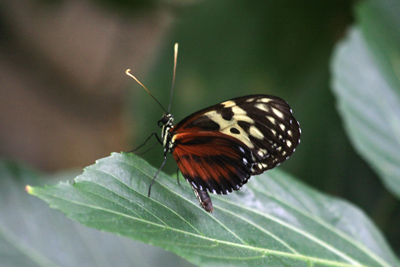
173	75
133	77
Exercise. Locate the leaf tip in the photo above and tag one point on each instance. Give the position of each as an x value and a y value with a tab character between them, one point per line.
29	189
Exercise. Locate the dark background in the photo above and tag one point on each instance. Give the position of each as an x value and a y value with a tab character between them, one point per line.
65	100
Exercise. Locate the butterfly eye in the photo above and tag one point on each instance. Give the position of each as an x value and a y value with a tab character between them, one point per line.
166	119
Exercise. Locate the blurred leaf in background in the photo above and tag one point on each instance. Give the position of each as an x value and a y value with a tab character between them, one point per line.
366	81
370	108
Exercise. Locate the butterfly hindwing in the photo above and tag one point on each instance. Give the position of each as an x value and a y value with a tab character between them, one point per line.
212	161
220	147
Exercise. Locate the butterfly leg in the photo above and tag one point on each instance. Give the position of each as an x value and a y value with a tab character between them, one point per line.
148	138
155	176
204	199
177	177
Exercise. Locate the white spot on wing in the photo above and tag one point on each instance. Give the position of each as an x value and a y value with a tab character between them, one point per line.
237	111
264	100
228	104
262	152
277	113
271	119
288	143
262	107
256	133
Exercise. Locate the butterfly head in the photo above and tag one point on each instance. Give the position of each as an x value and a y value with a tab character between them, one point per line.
167	119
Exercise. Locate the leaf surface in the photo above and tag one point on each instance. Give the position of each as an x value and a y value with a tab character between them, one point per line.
273	221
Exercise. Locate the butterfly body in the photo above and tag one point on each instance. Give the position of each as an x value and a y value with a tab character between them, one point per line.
219	148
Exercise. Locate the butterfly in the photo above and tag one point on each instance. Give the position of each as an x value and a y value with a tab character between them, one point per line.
218	149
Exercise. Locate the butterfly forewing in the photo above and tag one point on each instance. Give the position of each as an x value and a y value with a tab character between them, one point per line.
220	147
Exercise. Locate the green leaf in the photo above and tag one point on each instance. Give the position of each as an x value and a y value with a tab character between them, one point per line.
369	106
33	235
273	221
379	22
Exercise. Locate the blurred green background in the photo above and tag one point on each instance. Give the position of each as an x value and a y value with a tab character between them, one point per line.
66	101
